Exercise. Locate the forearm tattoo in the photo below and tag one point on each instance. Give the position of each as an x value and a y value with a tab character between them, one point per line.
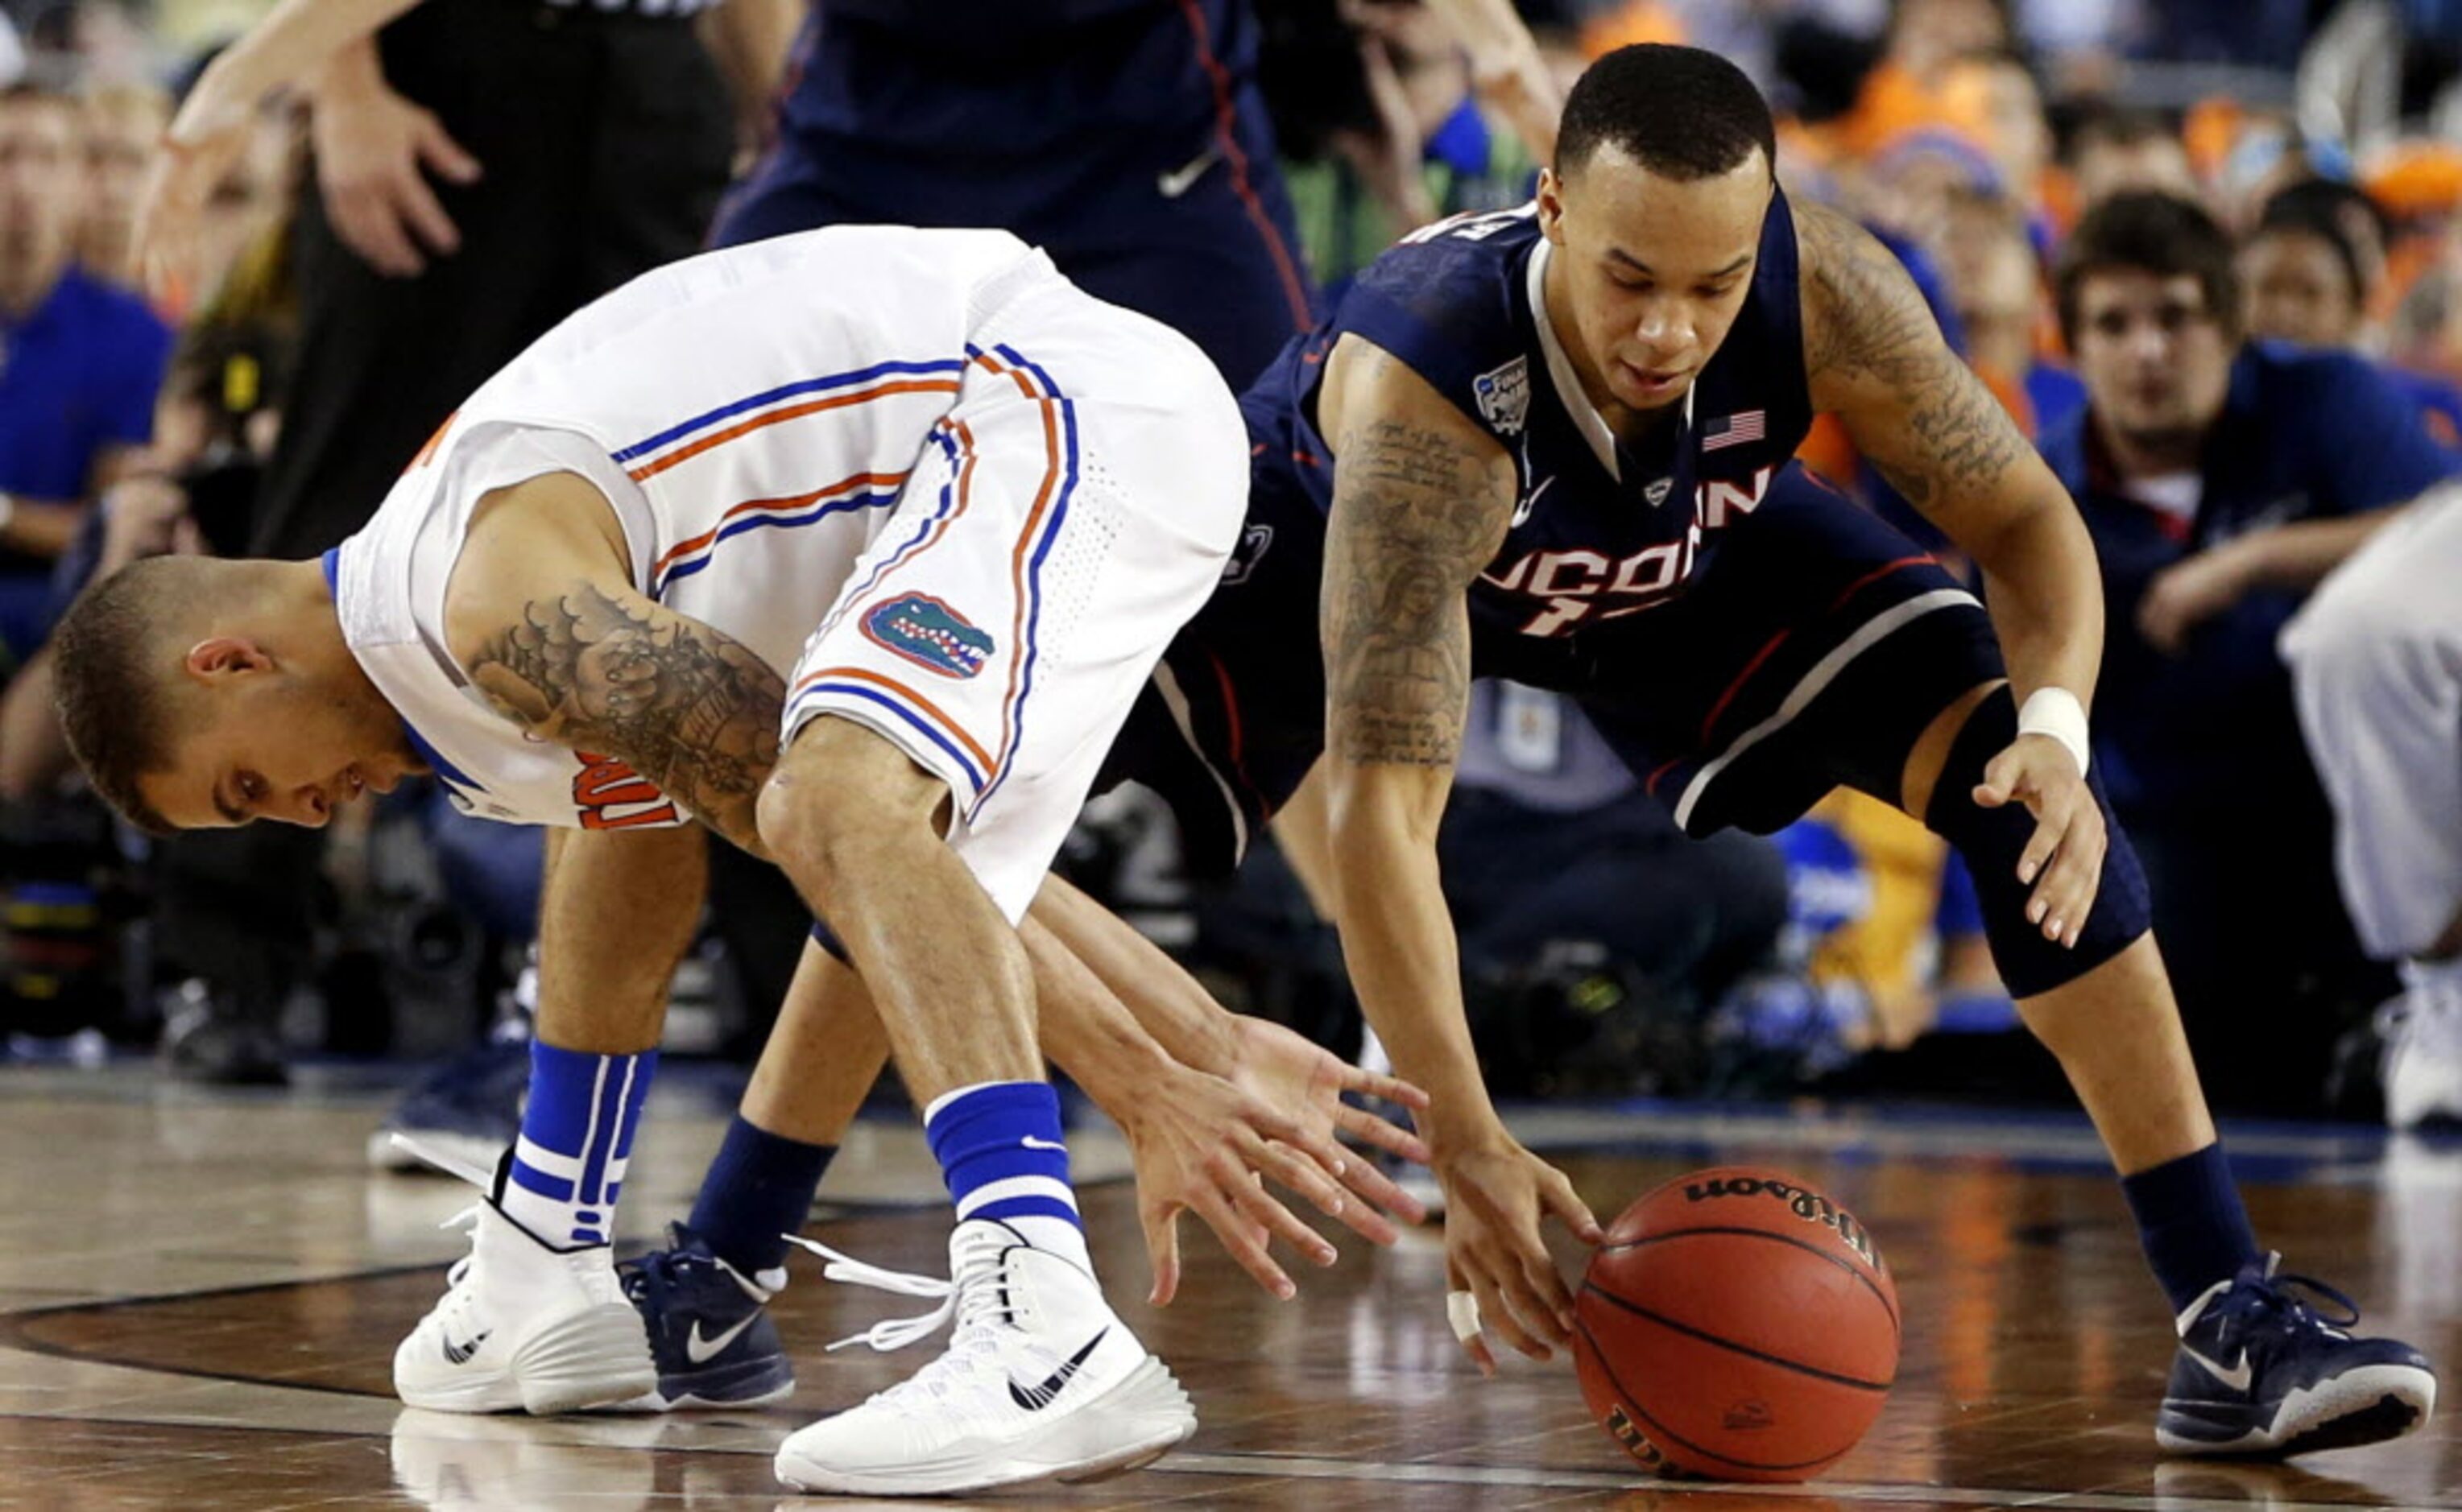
1866	324
1417	514
687	706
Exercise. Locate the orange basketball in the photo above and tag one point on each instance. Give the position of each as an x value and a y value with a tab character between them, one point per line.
1738	1324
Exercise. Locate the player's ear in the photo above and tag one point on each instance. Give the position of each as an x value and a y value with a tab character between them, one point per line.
1551	205
220	658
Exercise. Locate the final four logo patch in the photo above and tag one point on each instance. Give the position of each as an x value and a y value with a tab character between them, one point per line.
1503	395
930	634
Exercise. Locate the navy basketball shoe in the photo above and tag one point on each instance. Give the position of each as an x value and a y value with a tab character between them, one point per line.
710	1327
2260	1373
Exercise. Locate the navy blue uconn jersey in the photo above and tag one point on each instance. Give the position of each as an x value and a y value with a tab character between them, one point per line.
1601	530
1744	637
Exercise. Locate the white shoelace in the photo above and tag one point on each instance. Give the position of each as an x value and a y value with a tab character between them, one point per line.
483	1180
972	1296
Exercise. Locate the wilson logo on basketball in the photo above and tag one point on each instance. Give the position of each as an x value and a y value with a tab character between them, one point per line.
1747	1416
1636	1445
1808	1205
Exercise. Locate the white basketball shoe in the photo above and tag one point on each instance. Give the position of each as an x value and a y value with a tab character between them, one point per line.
2423	1055
1041	1381
524	1326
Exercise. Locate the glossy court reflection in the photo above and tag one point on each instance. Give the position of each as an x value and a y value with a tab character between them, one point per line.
236	1355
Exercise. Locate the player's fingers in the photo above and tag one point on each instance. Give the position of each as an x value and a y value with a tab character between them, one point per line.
1381	1194
1552	1300
1463	1315
1357	1187
448	157
1314	1169
1503	1304
366	223
2041	847
1266	1210
1376	1084
425	215
1161	1222
1556	1195
1241	1239
2000	782
2074	878
1384	1133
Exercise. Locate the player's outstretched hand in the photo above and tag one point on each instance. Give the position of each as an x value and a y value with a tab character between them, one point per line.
2064	860
371	146
1204	1146
1305	1083
1496	1195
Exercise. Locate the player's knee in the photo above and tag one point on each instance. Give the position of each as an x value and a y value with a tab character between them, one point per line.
842	796
1993	839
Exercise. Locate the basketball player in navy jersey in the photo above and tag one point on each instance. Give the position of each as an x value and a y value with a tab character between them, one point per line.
1552	444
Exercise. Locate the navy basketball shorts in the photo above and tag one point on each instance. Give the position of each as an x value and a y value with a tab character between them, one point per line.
1815	647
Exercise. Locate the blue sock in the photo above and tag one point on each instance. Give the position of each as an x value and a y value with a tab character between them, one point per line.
759	1188
576	1136
999	1147
2191	1225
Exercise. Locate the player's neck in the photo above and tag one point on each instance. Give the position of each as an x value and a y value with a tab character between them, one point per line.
297	607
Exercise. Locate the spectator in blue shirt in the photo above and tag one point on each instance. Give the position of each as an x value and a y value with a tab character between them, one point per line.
2207	467
79	361
2310	267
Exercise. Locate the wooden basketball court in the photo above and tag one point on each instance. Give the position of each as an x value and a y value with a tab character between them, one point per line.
200	1295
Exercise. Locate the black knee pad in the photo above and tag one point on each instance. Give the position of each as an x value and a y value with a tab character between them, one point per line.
1992	839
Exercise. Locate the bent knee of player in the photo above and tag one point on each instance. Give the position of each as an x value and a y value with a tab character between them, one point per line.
842	796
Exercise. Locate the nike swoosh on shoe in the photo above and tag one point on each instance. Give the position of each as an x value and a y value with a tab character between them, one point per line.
700	1351
1035	1398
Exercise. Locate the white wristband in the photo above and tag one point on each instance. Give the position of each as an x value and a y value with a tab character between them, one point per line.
2056	712
7	511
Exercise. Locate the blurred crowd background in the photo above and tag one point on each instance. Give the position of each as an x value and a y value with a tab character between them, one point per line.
2281	171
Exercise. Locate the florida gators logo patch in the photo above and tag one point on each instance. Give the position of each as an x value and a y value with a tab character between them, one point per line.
930	634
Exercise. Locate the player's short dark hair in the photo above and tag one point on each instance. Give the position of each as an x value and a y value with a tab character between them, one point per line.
2146	231
107	660
1679	112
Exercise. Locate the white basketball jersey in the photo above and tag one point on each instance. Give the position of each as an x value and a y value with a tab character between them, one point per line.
751	413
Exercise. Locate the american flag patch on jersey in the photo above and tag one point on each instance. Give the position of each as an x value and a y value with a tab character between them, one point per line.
1734	430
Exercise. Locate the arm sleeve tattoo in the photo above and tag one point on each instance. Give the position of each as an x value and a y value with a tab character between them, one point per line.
688	707
1417	511
1925	421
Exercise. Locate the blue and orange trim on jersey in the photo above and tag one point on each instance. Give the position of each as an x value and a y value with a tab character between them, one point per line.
984	769
862	491
707	430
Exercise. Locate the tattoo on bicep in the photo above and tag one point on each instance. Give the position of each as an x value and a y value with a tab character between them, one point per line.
689	708
1417	514
1866	324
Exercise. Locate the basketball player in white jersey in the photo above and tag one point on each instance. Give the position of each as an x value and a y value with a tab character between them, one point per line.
856	547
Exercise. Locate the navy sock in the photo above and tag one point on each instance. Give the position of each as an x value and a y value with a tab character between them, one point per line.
2191	1225
759	1188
